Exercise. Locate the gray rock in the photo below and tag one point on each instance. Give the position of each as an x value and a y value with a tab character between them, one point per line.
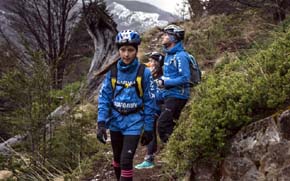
260	151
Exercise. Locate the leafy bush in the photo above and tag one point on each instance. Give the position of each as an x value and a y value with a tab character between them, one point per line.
244	91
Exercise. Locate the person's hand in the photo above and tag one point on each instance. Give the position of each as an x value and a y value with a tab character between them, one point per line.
160	83
101	132
146	137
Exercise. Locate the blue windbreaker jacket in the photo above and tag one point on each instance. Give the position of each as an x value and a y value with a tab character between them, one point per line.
176	72
127	99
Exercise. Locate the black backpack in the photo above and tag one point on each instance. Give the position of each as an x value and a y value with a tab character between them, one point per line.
195	73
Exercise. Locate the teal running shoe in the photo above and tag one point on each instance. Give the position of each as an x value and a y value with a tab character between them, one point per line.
144	165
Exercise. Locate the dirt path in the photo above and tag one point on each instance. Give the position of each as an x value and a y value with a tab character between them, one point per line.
105	171
153	174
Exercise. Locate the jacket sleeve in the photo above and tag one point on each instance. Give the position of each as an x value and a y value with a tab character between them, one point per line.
183	77
105	97
149	100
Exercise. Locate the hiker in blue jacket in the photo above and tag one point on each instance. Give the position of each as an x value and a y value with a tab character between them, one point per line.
156	61
175	80
125	109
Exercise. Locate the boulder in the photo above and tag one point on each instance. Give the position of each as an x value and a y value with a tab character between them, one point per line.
260	151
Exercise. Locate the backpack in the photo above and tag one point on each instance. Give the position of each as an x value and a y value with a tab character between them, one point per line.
138	83
195	73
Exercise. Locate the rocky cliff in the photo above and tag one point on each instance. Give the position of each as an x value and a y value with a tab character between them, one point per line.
259	151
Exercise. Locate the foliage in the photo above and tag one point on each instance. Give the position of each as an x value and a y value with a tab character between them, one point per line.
67	94
45	153
53	146
243	91
209	37
72	142
29	95
7	62
95	164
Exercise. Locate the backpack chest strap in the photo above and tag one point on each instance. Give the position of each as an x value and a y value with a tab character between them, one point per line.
138	79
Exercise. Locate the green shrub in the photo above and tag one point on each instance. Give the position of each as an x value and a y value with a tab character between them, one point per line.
67	94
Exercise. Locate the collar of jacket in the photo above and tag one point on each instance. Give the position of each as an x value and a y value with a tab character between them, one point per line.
177	48
127	67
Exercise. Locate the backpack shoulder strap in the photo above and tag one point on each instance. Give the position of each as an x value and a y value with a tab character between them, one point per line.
139	77
114	76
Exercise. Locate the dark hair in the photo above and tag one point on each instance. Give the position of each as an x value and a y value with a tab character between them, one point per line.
127	44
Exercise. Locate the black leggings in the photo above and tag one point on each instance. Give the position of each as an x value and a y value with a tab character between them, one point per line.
171	112
152	146
124	147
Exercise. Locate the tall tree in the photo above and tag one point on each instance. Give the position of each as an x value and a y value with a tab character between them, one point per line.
196	8
46	26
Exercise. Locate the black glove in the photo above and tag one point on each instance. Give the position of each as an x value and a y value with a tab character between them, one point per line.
146	137
101	132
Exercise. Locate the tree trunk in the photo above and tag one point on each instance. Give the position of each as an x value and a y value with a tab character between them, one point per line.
102	30
280	10
57	73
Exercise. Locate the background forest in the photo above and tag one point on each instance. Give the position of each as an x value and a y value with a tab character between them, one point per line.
50	50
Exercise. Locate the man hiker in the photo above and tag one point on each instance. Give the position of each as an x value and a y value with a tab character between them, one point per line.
175	80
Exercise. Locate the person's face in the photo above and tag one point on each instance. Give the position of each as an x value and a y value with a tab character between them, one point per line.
166	40
127	53
154	65
153	62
